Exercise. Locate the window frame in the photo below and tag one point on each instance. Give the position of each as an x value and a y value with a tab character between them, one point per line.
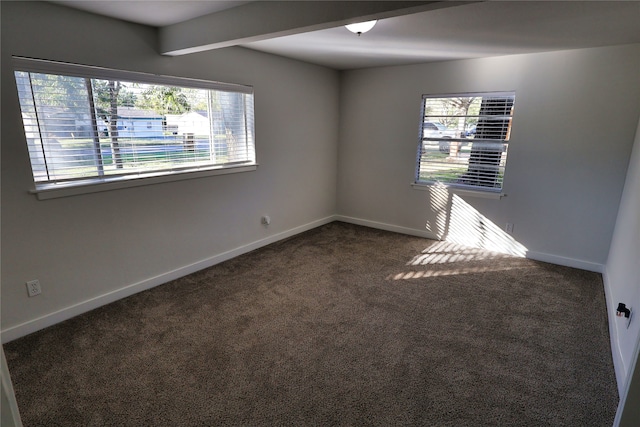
462	188
47	190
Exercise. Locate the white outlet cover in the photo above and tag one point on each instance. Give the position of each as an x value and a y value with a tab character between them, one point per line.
33	288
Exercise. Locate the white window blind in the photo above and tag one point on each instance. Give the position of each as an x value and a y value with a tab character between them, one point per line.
464	140
87	125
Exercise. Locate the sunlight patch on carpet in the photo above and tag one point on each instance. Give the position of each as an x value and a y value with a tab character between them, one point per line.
451	259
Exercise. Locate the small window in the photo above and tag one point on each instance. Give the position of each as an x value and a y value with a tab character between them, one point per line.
464	140
87	125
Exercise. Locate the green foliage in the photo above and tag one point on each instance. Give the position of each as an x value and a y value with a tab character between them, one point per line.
453	112
165	100
59	91
198	99
458	108
105	90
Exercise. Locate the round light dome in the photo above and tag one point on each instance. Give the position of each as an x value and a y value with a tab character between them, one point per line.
361	27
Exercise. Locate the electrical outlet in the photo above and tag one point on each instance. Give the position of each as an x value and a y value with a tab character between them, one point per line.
33	288
509	228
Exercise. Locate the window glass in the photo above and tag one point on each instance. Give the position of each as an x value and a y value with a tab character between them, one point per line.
464	140
84	129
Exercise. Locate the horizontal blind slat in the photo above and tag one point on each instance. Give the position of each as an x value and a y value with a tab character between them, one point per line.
67	141
464	139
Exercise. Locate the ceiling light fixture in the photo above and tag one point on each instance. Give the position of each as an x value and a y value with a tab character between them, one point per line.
361	27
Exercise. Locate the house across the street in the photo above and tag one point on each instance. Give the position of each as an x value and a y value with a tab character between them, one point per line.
136	123
193	122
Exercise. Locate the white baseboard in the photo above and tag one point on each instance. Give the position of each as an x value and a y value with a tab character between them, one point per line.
627	412
50	319
386	227
538	256
564	261
11	413
618	361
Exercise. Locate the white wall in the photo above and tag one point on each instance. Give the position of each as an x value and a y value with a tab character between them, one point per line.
622	274
85	247
576	114
573	128
628	414
10	416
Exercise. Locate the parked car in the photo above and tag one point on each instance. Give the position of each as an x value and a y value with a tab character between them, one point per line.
471	132
438	130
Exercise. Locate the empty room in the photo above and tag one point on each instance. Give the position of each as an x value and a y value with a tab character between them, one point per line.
257	213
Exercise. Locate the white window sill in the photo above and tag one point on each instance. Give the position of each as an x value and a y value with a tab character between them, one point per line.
462	192
66	189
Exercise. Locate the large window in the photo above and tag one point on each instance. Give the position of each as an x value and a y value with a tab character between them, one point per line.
464	140
87	125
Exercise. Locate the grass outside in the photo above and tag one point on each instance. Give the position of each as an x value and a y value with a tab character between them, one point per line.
87	143
77	159
436	166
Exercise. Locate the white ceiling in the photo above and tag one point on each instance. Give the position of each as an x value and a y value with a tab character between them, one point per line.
152	12
469	31
457	32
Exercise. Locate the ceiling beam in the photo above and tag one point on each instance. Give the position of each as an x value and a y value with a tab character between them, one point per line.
262	20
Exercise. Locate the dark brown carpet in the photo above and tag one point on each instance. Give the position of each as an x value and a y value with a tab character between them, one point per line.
342	325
